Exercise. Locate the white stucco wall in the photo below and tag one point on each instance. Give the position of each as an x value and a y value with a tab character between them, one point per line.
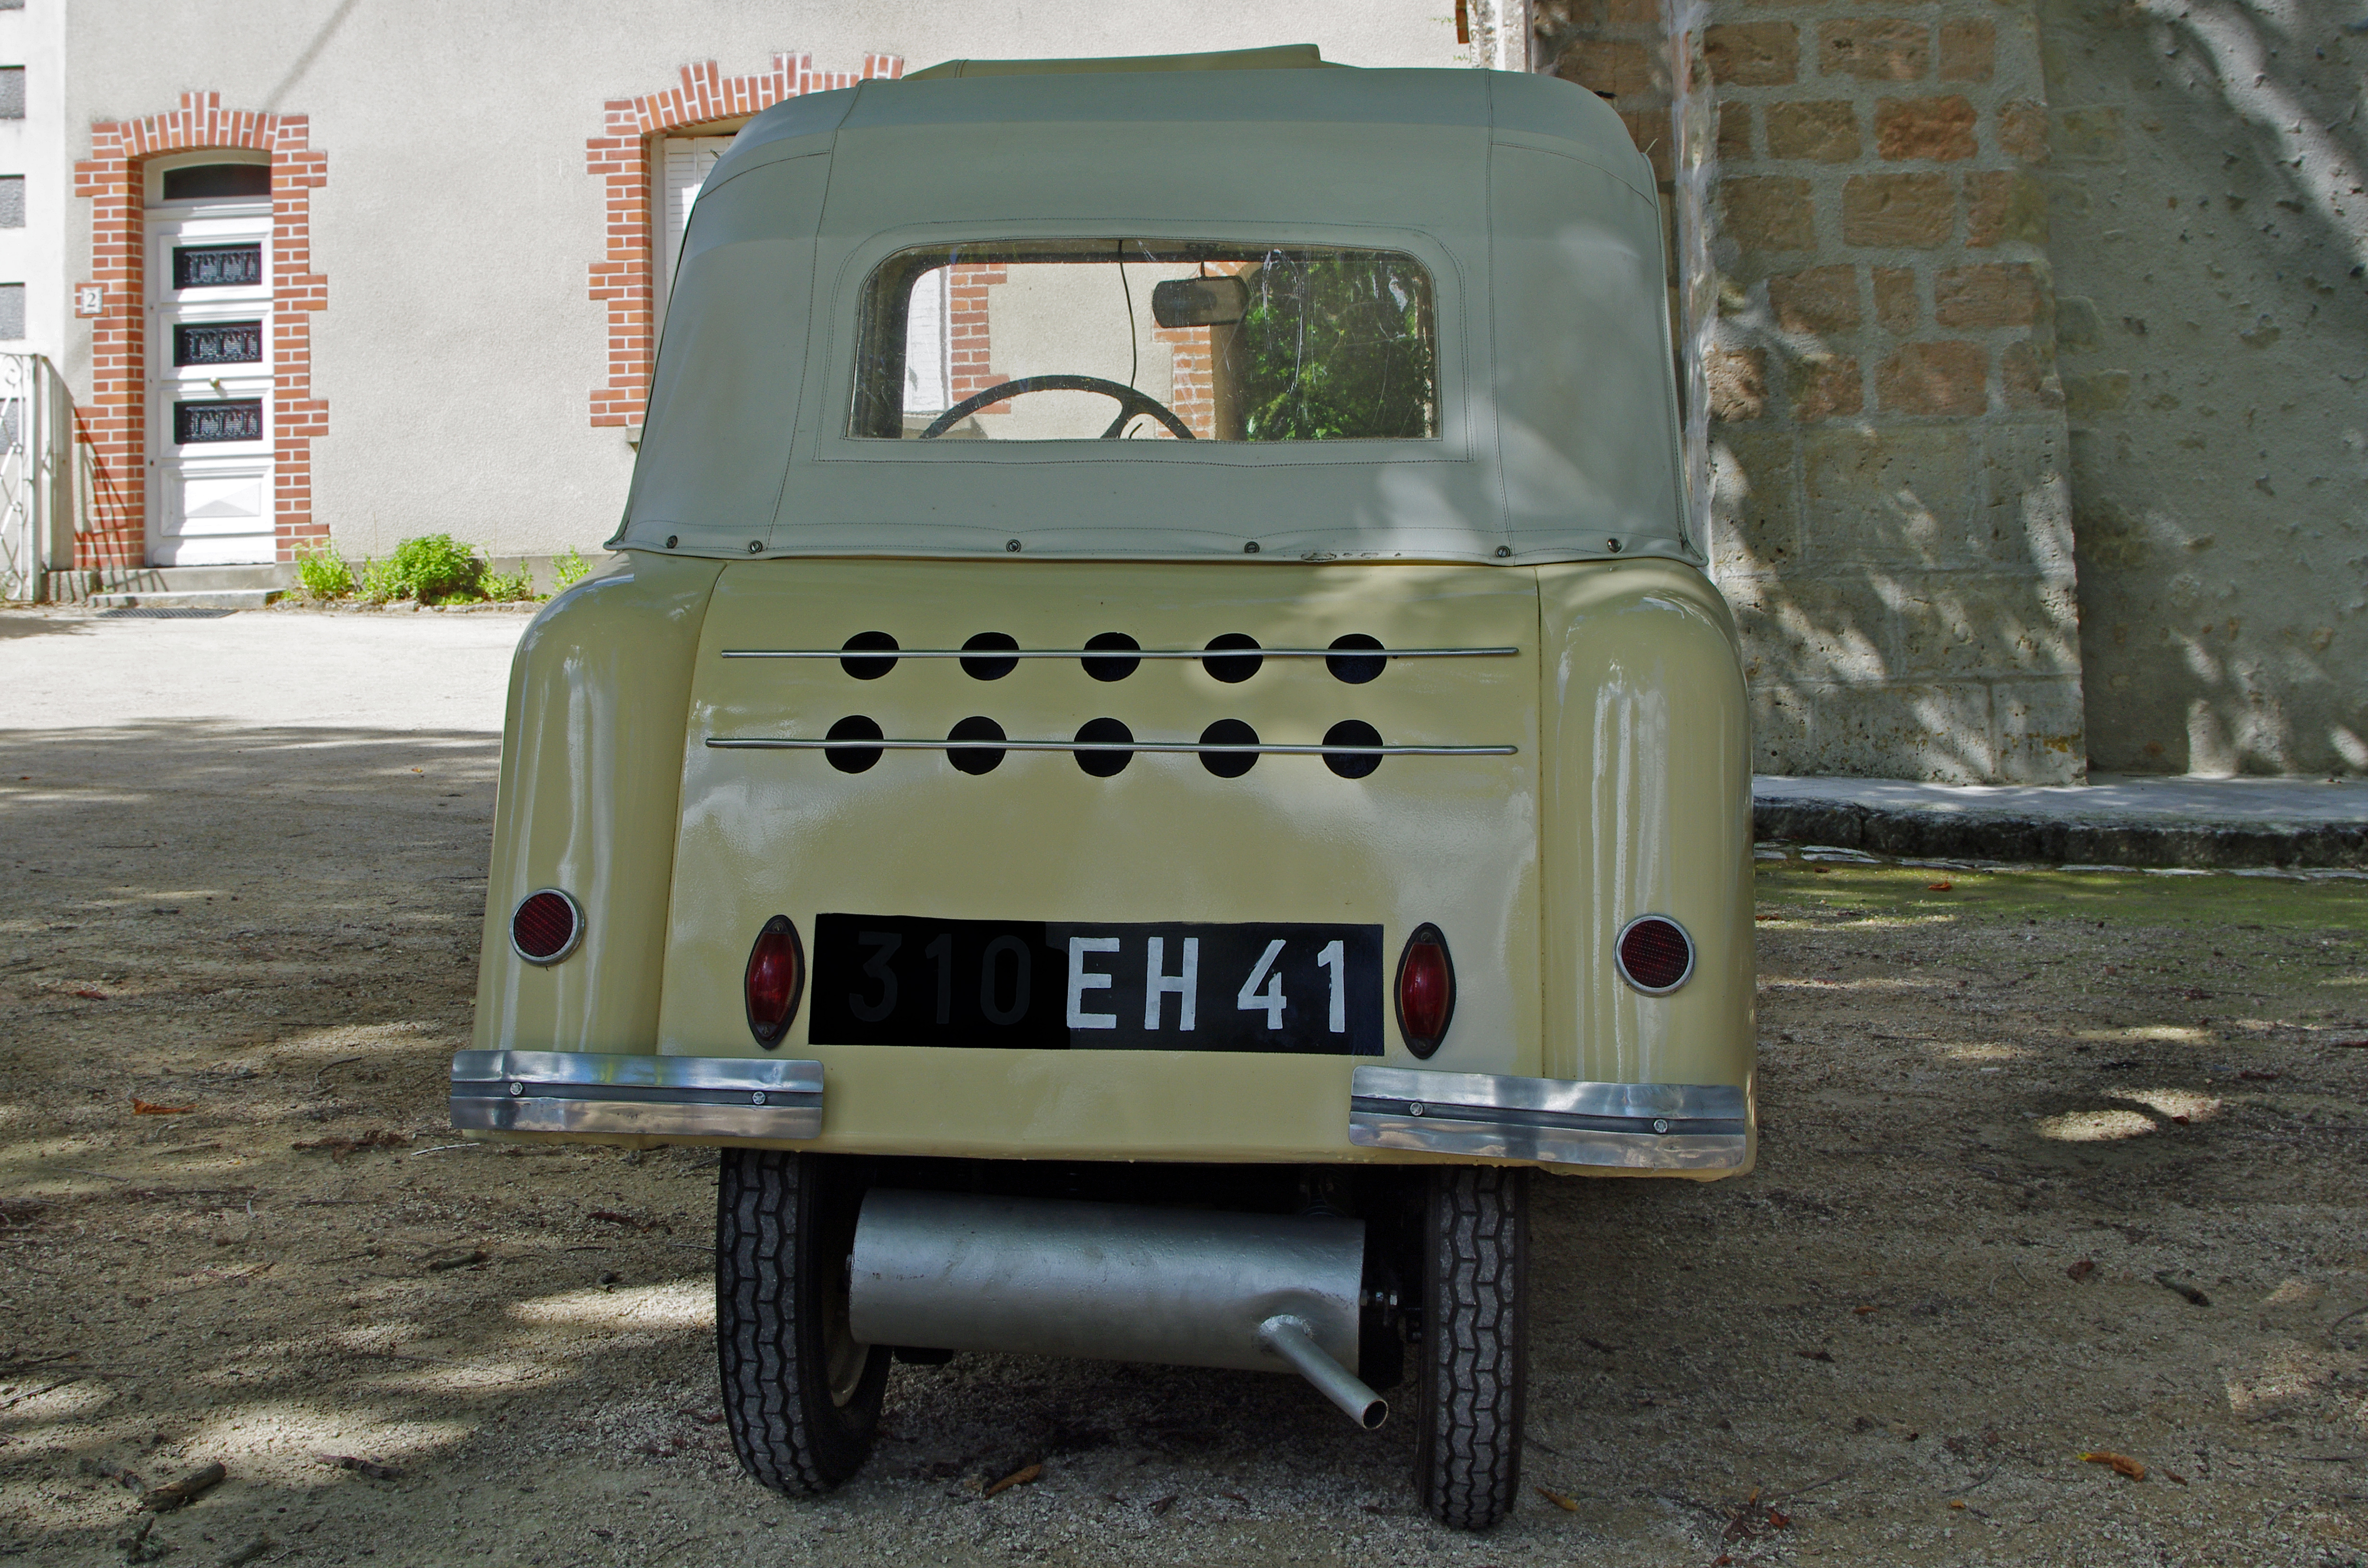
460	346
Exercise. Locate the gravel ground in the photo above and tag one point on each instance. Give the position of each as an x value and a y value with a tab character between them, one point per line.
2052	1164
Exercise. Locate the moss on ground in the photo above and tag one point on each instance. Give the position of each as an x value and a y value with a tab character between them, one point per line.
2135	898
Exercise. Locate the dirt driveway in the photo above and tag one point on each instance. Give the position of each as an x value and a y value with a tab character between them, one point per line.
2053	1163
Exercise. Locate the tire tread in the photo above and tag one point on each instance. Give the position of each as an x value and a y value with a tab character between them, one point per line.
1474	1361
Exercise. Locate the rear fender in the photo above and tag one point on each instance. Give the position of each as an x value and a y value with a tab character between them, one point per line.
1647	811
591	784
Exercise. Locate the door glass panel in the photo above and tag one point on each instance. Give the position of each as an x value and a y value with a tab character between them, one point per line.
217	266
218	342
240	419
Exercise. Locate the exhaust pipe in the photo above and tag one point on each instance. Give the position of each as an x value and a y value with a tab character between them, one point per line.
1115	1282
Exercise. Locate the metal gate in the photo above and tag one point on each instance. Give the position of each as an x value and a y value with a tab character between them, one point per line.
36	445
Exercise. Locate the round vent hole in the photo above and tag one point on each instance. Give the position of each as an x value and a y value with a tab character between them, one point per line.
990	668
1356	658
1229	733
1104	733
977	744
1351	733
1233	667
853	759
1114	661
868	643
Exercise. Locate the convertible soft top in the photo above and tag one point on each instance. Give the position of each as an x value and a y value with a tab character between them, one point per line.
1556	430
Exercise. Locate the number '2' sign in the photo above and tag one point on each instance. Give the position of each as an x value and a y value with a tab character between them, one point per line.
902	980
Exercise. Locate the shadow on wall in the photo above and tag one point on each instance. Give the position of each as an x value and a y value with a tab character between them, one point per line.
1904	595
1891	520
2210	231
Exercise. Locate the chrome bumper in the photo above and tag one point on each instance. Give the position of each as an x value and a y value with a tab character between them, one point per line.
663	1097
1661	1127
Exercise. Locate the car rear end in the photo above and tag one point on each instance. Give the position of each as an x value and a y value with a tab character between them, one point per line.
1154	745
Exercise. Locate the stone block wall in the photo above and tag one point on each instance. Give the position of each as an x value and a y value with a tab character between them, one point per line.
1890	514
2210	231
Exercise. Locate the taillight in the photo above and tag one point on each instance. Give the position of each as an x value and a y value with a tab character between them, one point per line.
1655	954
777	975
1426	990
545	926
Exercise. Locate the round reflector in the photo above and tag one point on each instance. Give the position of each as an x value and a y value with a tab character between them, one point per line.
777	976
545	926
1426	990
1655	954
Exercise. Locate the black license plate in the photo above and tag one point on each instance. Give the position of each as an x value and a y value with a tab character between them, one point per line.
902	980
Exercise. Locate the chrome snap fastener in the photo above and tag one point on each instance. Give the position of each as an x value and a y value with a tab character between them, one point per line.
756	1098
1415	1107
518	1088
1660	1126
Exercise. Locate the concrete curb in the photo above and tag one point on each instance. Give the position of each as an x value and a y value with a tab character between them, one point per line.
1985	835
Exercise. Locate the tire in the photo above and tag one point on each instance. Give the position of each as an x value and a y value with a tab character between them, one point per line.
1474	1357
801	1397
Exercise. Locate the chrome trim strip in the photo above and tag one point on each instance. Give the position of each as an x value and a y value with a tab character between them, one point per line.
1698	1127
881	653
680	1097
1181	749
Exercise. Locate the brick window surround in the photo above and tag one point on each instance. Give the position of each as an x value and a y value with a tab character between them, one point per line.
114	425
624	279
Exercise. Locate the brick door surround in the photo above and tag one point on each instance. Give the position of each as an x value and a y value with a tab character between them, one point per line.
114	425
624	279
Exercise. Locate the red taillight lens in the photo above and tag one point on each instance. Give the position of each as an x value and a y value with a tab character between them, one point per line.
1654	954
545	926
1426	990
777	974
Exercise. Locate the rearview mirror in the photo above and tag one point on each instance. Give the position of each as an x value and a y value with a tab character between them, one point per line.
1200	301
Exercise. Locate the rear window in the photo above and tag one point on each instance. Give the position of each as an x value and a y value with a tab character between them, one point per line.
1155	340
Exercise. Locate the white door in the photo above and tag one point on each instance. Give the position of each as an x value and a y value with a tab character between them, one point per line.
681	172
210	489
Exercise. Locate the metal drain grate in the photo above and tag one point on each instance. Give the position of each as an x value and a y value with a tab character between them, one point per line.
164	614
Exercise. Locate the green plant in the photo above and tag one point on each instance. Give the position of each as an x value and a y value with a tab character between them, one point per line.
436	567
570	568
508	588
322	572
379	583
1337	346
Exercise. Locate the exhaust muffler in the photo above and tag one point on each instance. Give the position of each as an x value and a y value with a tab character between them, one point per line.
1115	1282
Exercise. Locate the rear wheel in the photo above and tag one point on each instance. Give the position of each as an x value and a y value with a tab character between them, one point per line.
802	1398
1475	1360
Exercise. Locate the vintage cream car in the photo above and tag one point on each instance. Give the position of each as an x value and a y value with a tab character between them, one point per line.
1154	744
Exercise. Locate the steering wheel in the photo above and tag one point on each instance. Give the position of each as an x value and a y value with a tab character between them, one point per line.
1130	402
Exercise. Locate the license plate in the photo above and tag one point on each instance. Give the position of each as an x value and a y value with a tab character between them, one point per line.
900	980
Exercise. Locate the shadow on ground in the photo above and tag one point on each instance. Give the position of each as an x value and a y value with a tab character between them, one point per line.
1995	1114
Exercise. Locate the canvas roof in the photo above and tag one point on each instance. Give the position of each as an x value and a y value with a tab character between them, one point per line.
1523	194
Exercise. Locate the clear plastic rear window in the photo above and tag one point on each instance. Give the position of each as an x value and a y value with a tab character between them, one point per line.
1068	340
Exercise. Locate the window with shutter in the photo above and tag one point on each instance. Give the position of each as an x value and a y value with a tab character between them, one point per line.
683	170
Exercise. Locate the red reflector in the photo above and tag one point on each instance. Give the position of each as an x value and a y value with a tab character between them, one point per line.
777	974
1426	990
545	926
1655	955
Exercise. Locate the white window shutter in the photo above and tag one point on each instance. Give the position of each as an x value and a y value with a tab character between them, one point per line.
686	163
